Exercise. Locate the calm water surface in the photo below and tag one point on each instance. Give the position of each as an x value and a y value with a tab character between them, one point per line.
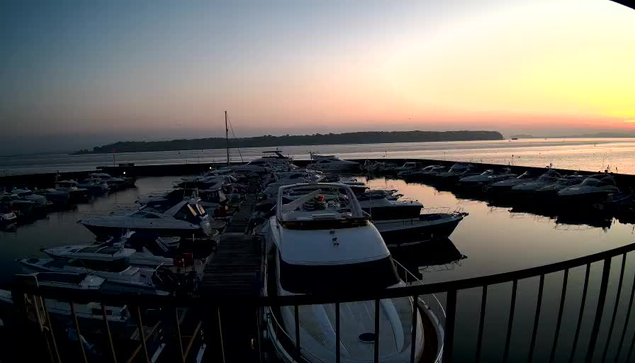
492	240
574	154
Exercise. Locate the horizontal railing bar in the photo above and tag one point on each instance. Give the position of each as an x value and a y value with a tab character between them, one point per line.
80	296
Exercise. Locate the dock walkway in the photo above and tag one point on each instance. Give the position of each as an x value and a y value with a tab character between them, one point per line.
234	272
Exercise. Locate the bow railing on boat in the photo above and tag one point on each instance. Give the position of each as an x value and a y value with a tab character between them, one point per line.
597	328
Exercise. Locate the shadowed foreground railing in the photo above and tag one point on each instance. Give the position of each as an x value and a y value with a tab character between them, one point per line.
613	346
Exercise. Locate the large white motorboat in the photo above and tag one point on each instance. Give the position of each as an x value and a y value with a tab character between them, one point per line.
332	163
317	246
427	172
186	218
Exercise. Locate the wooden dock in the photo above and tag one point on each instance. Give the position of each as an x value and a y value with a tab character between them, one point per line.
235	271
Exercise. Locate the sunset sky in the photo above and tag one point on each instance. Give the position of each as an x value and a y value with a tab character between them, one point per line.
81	73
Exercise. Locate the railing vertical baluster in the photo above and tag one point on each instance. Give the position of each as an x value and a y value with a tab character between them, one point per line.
142	334
626	319
178	333
449	326
510	321
600	309
563	295
532	345
220	335
337	332
49	323
108	333
413	337
481	324
617	303
376	356
79	339
581	313
297	332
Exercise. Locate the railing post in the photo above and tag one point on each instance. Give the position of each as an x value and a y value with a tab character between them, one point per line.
626	319
337	332
448	341
413	337
563	295
220	334
376	355
297	333
178	333
481	324
79	335
142	334
510	322
600	309
49	323
108	333
532	345
581	313
615	307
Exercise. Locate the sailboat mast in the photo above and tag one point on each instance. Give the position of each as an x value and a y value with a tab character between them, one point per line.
227	138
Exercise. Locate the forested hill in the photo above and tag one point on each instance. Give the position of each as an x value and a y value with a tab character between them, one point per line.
368	137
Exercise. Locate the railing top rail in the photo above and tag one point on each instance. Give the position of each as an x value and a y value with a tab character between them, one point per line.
346	296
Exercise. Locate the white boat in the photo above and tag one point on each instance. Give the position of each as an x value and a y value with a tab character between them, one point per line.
589	191
272	160
7	216
291	177
456	172
114	183
332	163
327	249
120	276
486	178
564	182
186	218
94	186
91	312
508	184
72	188
432	226
28	195
380	207
107	253
548	178
427	172
408	166
62	280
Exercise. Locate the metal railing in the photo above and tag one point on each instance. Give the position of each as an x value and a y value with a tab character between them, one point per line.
609	318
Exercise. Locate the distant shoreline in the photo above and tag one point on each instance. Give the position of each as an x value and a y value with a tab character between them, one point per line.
367	137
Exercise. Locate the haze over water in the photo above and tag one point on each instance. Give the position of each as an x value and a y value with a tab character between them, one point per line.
573	154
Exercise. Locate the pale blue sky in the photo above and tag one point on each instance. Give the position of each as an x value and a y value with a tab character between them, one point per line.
77	73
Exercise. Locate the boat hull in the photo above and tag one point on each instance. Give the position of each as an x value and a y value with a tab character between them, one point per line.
401	211
398	233
107	231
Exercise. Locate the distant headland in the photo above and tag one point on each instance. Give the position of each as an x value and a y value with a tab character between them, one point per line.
366	137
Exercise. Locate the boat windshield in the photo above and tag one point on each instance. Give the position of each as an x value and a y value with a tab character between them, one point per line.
306	279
